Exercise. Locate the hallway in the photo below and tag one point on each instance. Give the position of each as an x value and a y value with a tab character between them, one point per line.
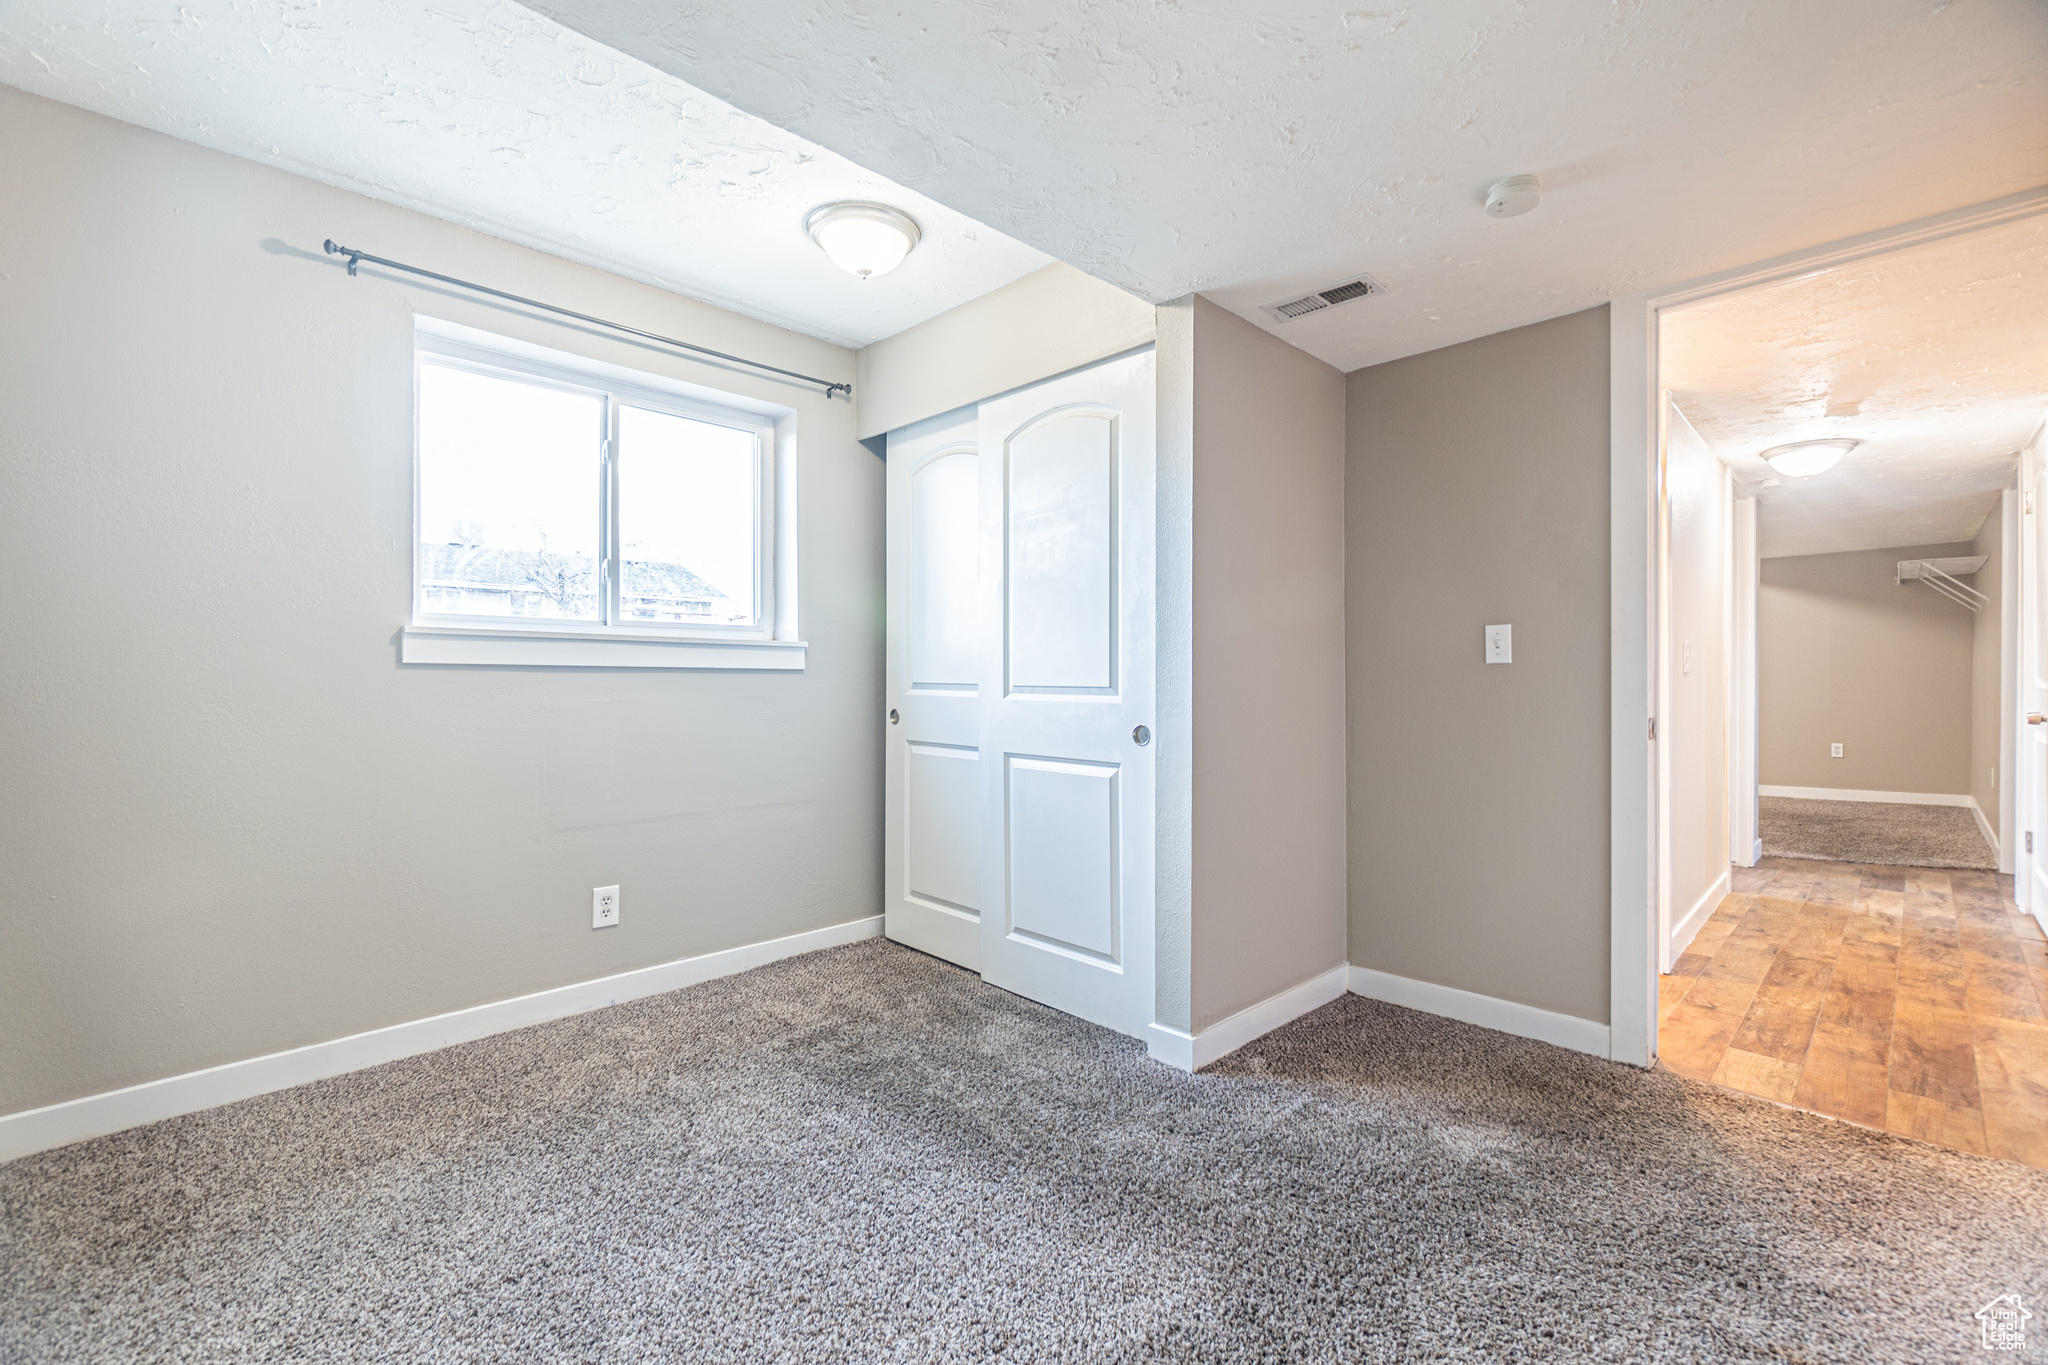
1909	999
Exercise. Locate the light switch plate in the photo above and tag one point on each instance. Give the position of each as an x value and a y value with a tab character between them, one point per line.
1500	644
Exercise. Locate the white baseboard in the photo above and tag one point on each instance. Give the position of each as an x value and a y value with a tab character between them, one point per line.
1688	925
1984	828
1563	1030
1852	794
1192	1052
35	1130
1756	855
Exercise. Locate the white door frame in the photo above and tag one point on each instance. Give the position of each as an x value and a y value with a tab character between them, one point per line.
2022	762
2012	682
1660	678
1745	841
1635	552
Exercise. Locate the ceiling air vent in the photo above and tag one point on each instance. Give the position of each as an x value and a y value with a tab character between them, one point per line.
1321	299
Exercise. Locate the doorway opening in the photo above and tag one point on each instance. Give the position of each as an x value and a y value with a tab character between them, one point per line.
1845	657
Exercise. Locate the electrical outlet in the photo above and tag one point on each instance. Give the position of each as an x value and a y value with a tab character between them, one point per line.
604	907
1500	644
1834	751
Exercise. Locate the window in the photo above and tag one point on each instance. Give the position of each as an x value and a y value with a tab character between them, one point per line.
566	498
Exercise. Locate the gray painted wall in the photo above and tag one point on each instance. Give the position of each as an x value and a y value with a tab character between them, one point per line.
1269	629
1478	494
1848	655
233	824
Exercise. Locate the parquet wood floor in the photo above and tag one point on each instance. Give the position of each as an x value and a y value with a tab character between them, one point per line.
1909	999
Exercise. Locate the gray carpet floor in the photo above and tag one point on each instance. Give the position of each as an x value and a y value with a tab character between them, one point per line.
867	1155
1872	832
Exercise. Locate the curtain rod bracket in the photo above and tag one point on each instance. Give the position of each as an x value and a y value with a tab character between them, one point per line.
353	256
356	257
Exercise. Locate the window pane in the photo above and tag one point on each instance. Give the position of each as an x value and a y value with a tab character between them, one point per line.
508	497
686	520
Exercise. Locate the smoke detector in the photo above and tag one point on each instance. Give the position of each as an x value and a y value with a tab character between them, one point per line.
1513	196
1357	287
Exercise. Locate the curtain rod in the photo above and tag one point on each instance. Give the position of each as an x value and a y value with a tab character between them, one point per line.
355	257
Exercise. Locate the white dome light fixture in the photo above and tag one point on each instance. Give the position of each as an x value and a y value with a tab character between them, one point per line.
1513	196
863	239
1804	459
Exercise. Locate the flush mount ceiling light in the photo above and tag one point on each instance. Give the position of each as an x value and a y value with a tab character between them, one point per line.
863	239
1802	459
1513	196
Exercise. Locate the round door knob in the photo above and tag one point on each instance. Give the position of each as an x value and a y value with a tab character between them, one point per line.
2036	718
1141	736
893	717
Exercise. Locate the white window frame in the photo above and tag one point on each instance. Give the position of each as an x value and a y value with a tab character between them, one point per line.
765	642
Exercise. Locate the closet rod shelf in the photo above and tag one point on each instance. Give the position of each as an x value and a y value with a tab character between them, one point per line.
1945	576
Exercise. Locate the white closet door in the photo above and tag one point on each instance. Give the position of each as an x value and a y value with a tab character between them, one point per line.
940	634
1067	472
2030	860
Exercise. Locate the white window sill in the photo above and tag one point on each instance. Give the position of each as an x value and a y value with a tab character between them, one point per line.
510	647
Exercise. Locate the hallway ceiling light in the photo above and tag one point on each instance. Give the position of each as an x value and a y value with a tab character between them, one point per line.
863	239
1802	459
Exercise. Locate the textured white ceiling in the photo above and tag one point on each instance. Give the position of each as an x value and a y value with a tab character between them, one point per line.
492	116
1943	347
1255	151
